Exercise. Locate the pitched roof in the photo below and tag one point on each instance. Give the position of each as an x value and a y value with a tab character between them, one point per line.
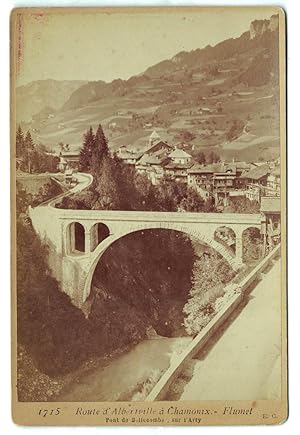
238	165
152	160
208	169
70	153
178	153
130	155
270	204
159	146
200	169
173	165
258	172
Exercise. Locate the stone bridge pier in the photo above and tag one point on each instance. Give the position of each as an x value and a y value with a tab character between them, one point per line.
78	238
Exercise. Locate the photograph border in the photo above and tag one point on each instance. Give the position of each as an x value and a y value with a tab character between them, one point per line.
265	412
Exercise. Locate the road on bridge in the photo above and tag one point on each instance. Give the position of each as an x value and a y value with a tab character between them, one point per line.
244	362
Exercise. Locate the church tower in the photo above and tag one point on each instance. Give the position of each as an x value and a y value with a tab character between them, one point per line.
153	139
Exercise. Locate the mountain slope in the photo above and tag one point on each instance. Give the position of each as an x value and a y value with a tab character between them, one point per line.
223	98
38	95
261	38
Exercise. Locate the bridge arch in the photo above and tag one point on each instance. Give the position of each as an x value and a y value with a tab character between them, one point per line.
75	238
252	244
111	239
98	233
226	236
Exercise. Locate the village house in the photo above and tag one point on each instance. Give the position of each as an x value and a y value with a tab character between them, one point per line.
178	166
179	156
68	160
223	183
273	183
270	209
128	156
160	148
178	171
240	168
153	161
112	125
152	166
205	111
256	181
217	179
200	177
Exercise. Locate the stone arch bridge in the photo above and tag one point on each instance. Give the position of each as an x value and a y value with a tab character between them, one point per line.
78	238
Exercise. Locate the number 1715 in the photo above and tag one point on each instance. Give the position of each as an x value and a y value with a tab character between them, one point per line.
47	412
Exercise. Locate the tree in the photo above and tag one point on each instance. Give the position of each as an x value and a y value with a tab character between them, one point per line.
213	157
200	157
209	205
170	194
20	146
86	150
29	151
46	192
242	205
23	199
192	202
106	188
187	136
99	150
235	130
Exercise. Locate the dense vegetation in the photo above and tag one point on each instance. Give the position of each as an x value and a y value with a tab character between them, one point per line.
211	273
31	157
46	192
149	274
44	313
242	205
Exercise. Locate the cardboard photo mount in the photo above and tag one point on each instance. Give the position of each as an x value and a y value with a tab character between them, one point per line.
26	41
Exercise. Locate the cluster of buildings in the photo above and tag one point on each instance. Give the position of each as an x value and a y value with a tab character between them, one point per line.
219	180
257	181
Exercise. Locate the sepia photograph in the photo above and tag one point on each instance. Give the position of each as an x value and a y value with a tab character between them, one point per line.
148	163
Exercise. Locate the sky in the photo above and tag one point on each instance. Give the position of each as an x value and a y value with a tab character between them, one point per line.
106	46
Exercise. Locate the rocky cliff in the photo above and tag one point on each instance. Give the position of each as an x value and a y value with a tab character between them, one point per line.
259	27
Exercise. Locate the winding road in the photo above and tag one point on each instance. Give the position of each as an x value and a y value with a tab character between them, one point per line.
83	182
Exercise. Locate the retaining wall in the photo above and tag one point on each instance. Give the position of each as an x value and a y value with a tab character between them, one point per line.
161	388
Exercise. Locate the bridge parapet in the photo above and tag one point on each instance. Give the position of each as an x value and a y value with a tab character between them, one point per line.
151	216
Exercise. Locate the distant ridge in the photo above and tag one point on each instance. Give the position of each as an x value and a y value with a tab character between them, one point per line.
258	38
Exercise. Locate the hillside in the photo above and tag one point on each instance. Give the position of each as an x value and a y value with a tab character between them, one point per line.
38	95
223	97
